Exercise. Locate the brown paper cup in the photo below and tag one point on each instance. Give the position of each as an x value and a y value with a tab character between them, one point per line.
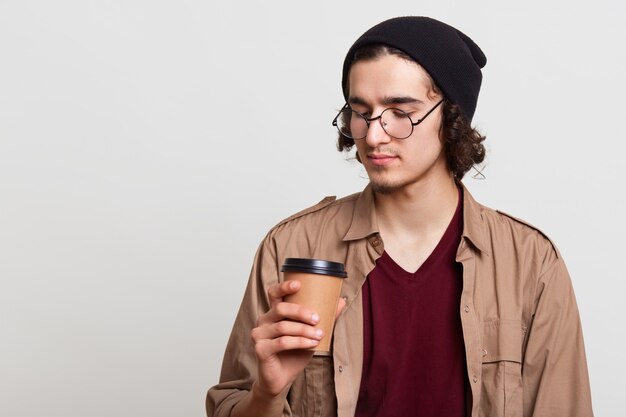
320	290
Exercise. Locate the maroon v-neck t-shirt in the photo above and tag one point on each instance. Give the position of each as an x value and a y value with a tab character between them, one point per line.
413	350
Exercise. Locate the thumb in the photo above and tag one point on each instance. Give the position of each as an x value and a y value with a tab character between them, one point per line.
340	306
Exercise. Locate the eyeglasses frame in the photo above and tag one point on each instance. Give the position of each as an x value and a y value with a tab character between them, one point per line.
368	120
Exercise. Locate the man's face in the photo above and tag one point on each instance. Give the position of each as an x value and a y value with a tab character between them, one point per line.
395	164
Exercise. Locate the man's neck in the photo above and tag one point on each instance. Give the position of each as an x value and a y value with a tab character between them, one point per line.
413	219
419	209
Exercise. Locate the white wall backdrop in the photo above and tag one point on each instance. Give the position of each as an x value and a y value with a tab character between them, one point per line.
147	146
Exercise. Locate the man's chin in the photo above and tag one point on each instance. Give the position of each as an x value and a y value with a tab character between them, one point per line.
384	188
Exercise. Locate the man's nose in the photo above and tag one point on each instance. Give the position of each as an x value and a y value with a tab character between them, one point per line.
376	134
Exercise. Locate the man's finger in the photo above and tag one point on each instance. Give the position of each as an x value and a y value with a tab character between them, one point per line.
269	347
277	291
340	306
286	328
289	311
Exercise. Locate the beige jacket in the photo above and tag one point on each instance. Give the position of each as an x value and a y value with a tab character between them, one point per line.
522	332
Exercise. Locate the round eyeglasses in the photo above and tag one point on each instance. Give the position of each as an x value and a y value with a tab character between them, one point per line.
395	122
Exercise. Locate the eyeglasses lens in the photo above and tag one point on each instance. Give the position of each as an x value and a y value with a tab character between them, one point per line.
395	122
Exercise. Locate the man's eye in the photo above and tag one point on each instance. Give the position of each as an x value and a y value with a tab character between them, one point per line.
400	114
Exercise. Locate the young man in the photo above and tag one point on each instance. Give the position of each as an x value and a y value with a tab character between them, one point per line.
449	308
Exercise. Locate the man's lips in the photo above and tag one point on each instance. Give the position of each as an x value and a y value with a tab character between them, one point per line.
381	159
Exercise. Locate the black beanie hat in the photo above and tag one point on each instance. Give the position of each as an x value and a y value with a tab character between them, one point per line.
451	58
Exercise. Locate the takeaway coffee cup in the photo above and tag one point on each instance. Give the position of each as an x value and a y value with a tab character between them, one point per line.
319	290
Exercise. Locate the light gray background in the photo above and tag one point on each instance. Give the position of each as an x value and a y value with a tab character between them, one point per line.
147	146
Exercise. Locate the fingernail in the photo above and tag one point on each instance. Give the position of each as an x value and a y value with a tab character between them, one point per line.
292	285
315	318
319	333
314	342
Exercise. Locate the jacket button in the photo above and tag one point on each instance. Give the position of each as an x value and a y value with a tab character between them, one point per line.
484	351
340	368
466	309
475	379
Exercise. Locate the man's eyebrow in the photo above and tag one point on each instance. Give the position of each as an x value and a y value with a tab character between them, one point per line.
387	100
356	100
401	100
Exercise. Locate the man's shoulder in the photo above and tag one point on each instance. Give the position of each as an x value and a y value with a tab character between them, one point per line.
519	231
329	206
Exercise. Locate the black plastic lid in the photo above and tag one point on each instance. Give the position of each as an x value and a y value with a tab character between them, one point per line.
314	266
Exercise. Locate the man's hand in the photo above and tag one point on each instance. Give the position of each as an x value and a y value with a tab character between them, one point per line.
281	338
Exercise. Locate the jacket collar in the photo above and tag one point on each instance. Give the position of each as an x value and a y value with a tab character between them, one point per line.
474	227
364	222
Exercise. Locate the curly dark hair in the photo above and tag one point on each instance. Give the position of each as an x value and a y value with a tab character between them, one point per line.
463	145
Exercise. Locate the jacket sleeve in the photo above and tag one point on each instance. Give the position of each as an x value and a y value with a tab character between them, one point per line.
239	369
554	369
